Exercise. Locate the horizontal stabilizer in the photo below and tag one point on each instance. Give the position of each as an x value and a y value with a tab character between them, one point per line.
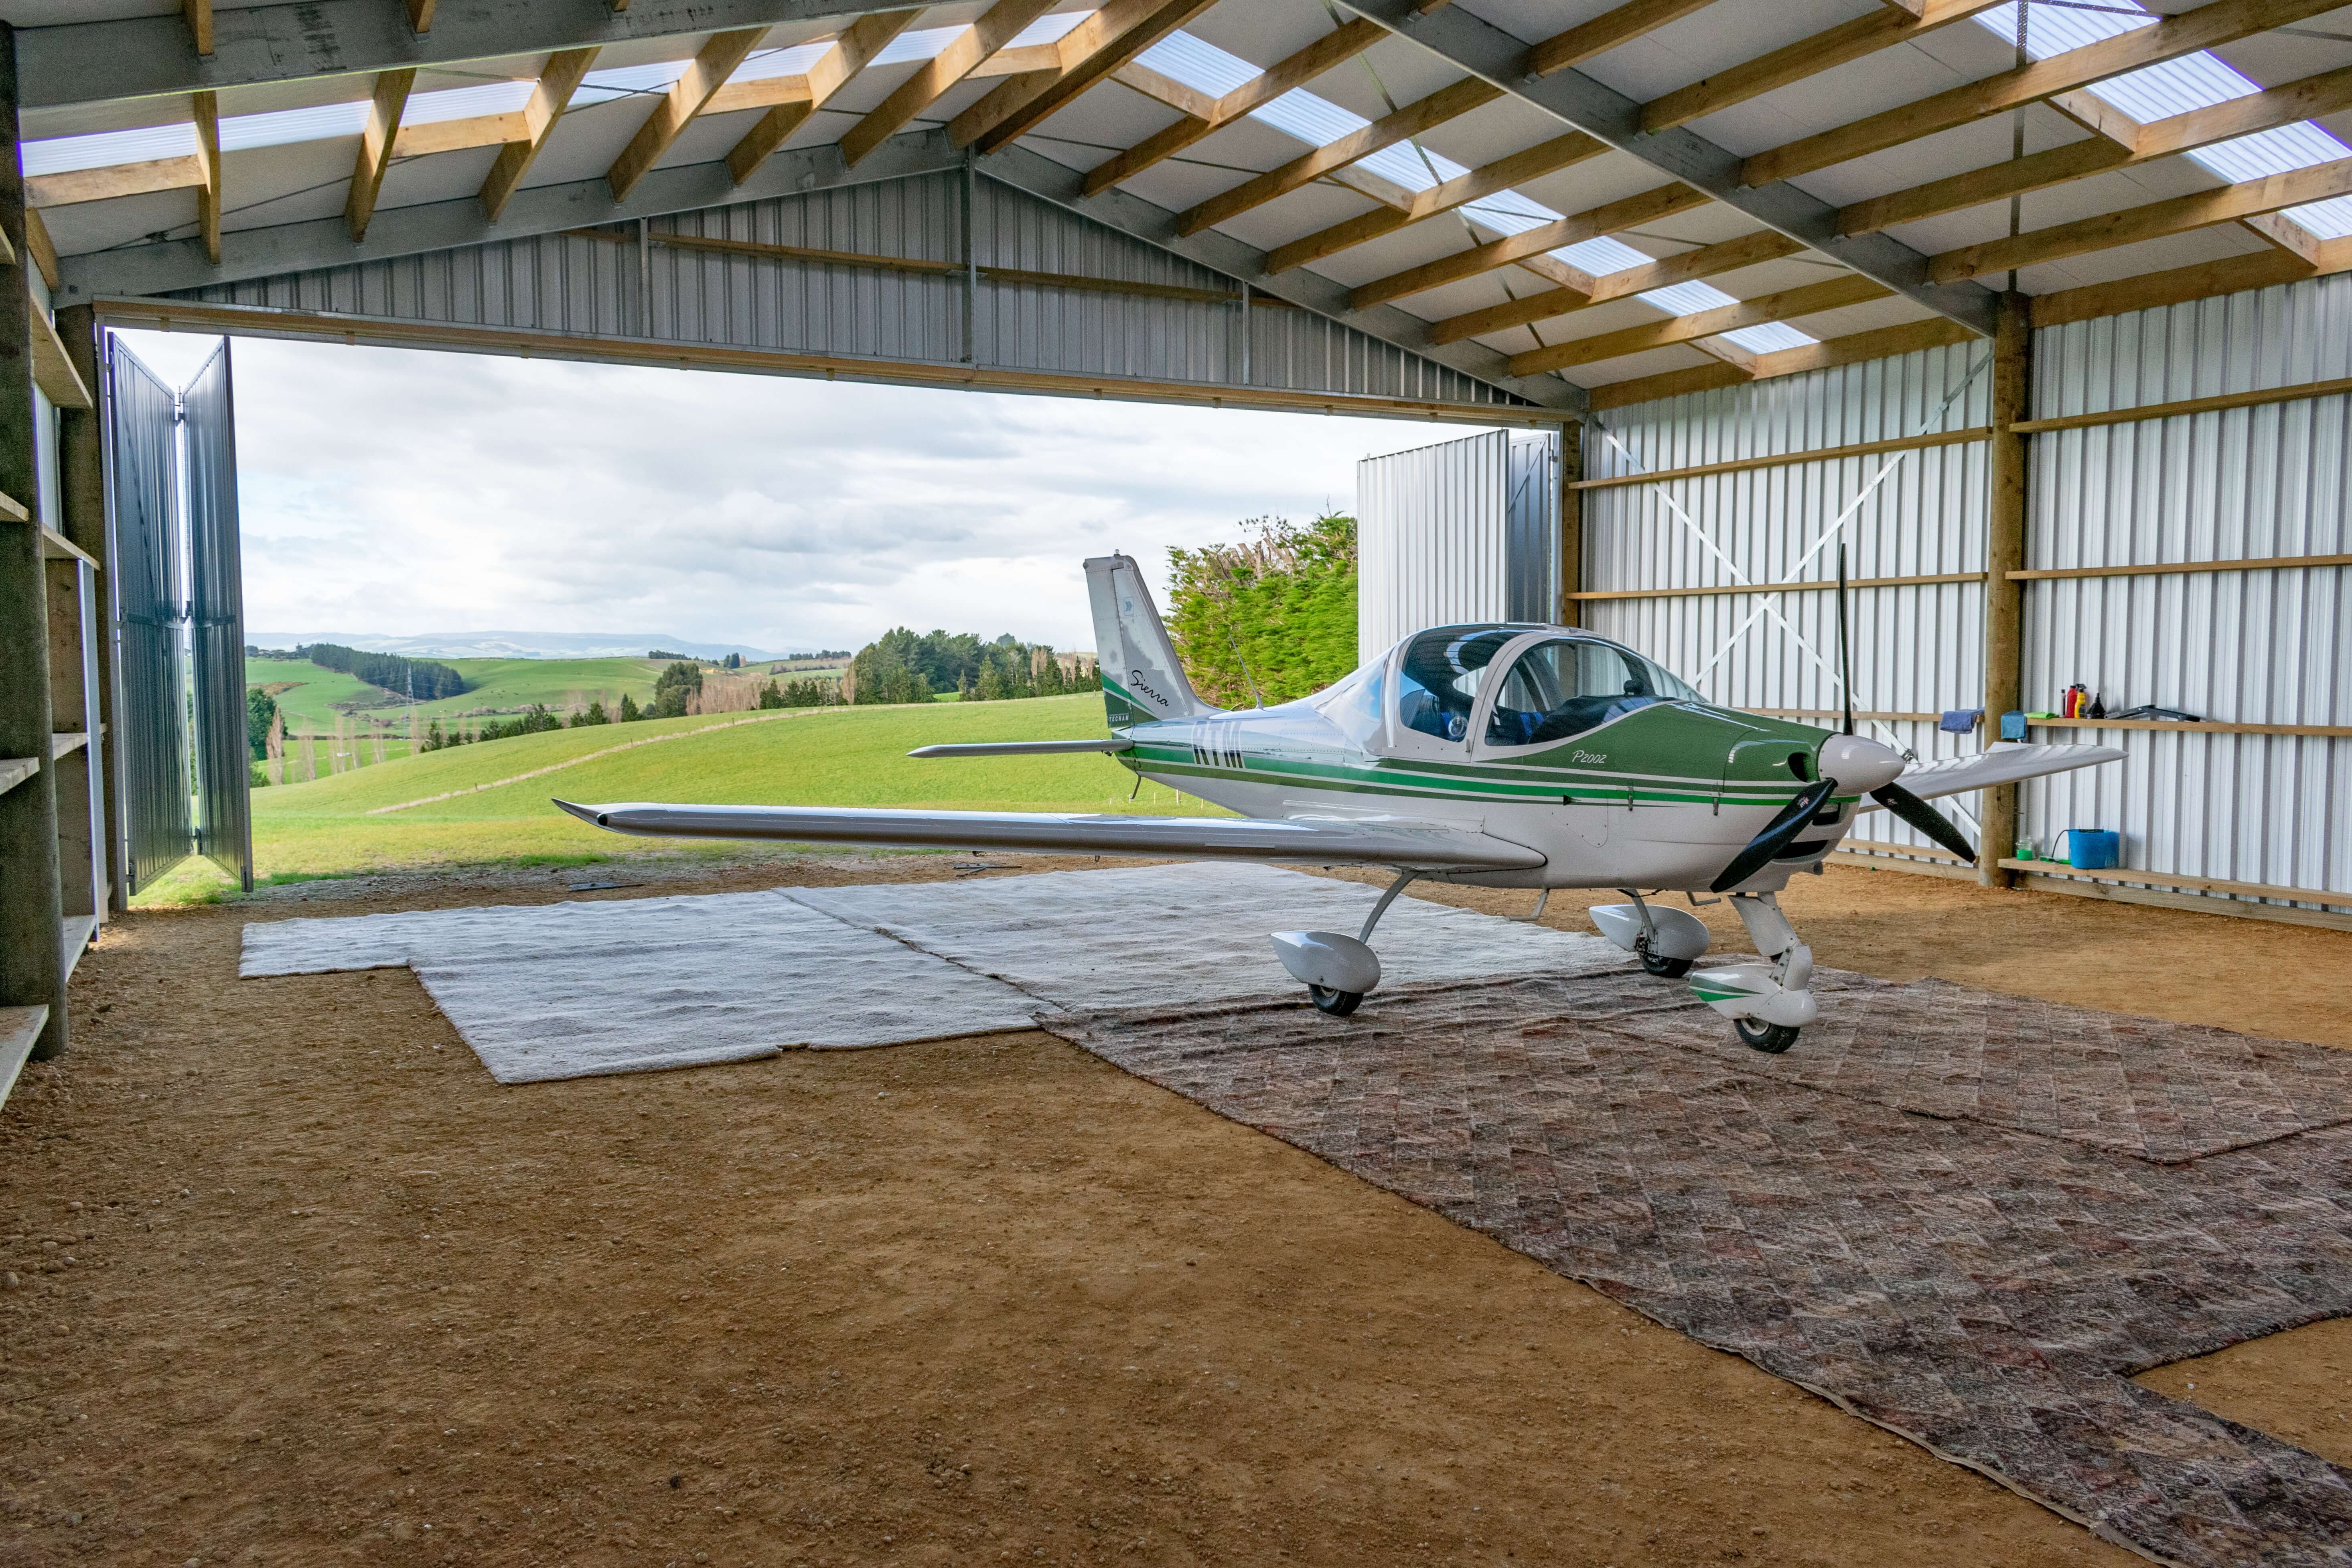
1309	841
1025	747
2005	763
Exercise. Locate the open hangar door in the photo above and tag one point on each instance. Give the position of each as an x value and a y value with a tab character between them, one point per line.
1457	532
175	608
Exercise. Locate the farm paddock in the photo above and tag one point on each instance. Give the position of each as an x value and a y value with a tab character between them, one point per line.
328	1286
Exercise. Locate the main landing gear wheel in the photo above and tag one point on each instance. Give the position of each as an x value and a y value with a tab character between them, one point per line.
1670	968
1339	1003
1770	1038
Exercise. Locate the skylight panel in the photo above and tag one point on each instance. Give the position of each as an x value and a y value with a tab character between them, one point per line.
2053	29
2330	220
609	85
1601	256
1048	29
767	64
1407	165
2277	151
1198	64
1314	120
2174	87
917	46
466	102
1770	338
240	132
1687	298
64	155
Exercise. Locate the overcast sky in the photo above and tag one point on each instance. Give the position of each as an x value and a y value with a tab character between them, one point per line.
400	493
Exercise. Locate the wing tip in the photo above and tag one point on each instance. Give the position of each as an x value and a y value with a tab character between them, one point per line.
593	816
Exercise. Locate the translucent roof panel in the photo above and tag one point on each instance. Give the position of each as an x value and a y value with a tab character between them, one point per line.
1197	63
242	132
466	102
1601	256
1688	299
1769	338
2053	30
64	155
603	87
765	64
1047	29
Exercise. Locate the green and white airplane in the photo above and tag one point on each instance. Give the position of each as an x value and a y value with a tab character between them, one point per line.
1496	755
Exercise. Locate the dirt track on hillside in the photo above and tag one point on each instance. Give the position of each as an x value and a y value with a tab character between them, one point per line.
330	1294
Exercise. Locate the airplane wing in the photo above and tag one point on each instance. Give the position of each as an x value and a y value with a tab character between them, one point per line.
2004	764
1313	841
1023	748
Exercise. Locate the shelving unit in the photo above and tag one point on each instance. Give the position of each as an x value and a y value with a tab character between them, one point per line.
20	1030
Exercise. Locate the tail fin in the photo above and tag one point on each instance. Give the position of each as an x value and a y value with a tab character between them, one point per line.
1142	679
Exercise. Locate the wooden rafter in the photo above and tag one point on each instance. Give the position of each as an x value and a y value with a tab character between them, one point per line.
1342	44
1448	102
377	142
1610	29
112	180
998	26
834	70
2153	220
1090	51
1824	50
2283	105
558	81
1707	261
2173	287
199	15
420	15
1647	206
1881	343
1830	294
2218	21
712	64
1530	163
207	109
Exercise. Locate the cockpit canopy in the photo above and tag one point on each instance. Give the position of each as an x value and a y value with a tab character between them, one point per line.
1556	687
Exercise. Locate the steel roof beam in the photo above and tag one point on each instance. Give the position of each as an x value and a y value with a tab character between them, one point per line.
144	57
1065	187
176	266
1483	49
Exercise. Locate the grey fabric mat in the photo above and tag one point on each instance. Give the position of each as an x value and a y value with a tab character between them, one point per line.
1983	1289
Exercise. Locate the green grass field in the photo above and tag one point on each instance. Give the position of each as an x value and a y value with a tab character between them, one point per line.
837	756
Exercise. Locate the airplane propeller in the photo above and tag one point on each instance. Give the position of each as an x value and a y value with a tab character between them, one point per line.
1778	835
1893	796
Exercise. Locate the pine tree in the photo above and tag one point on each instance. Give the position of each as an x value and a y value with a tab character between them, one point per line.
630	713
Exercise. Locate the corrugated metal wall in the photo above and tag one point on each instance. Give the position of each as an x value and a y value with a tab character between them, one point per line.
1430	538
2256	648
1909	514
143	593
570	284
224	811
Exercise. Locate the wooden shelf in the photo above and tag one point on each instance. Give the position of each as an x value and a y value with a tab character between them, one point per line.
53	371
20	1028
14	510
15	771
2188	884
79	931
67	741
2201	726
55	546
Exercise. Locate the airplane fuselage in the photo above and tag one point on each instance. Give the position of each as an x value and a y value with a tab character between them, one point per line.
1656	798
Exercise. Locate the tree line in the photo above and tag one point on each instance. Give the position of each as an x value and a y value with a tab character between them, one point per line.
900	667
1271	618
419	678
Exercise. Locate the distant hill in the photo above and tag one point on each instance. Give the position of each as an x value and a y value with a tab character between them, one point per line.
512	645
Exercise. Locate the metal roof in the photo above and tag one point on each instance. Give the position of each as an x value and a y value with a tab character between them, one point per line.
1812	181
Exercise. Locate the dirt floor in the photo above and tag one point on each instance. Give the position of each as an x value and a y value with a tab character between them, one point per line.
290	1280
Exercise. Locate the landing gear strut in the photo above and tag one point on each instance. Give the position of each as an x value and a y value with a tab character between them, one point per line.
1767	1002
1337	970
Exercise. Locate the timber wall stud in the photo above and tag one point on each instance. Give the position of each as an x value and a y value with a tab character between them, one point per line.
2005	501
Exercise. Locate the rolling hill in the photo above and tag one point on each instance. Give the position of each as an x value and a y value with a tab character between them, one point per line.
491	802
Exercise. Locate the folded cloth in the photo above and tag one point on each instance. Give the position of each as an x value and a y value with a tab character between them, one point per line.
1959	721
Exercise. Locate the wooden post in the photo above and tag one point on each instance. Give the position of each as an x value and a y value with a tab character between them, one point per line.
32	927
81	484
1571	523
2005	465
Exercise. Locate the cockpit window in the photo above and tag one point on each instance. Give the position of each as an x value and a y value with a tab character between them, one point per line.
1439	678
1355	704
1563	688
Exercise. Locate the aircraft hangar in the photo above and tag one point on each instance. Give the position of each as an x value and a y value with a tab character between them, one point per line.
1974	373
2036	317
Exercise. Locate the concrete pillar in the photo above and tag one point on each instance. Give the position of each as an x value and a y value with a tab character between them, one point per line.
2005	466
32	961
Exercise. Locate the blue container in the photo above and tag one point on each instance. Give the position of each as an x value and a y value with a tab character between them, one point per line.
2092	848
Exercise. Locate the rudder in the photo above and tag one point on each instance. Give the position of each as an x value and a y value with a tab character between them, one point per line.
1143	681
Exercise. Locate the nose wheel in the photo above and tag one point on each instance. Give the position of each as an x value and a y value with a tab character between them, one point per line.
1339	1003
1759	1035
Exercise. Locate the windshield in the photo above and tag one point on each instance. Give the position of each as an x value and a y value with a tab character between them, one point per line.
1355	705
1568	685
1439	677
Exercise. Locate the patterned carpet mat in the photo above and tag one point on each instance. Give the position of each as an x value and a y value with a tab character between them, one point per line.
1978	1285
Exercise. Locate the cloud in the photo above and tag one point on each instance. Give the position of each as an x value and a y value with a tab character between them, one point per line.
403	492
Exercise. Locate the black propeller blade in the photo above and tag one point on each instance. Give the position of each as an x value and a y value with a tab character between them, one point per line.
1926	818
1778	835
